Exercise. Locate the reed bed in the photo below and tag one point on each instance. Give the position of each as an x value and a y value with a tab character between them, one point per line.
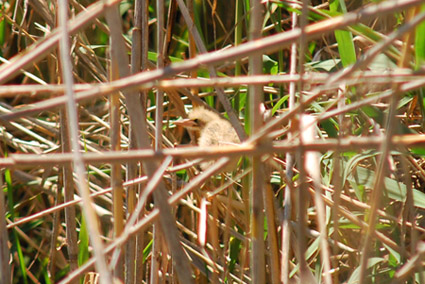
100	186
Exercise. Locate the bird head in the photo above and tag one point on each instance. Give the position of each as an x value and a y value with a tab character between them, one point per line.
211	130
197	119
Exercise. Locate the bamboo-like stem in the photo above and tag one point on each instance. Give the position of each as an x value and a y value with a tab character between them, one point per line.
4	248
156	248
180	261
160	64
92	221
337	180
57	221
257	188
290	161
272	241
312	166
238	41
68	192
192	43
139	55
226	234
302	203
54	237
116	180
214	238
156	239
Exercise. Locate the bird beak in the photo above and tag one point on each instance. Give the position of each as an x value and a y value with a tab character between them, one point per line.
185	122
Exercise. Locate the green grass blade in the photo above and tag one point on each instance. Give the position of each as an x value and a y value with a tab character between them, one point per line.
344	39
83	244
420	42
16	244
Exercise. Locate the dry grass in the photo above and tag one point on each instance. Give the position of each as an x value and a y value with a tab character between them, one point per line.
330	183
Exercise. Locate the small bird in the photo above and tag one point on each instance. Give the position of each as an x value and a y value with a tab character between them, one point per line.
213	131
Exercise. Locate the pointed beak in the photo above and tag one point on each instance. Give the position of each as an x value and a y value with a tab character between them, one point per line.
185	122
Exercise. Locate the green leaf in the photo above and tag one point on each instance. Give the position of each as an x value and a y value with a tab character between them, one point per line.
395	257
279	103
379	116
330	126
373	36
330	65
210	100
270	66
18	248
374	112
83	244
346	47
2	31
420	151
45	264
235	247
349	168
147	250
354	278
395	190
16	244
152	56
198	12
344	39
420	42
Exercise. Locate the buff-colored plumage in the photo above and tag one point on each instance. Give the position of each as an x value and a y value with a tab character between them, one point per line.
213	131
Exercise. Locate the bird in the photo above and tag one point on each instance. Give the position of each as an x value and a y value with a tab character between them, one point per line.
213	130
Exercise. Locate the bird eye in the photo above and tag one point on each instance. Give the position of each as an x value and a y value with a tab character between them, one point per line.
196	121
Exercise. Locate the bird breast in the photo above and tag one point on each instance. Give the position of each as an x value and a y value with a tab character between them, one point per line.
218	133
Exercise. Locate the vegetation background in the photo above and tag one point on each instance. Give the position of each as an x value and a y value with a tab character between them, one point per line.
328	97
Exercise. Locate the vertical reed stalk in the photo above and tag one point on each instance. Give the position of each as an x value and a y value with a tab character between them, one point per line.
257	183
4	248
82	183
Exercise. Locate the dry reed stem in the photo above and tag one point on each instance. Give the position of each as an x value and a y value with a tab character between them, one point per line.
349	143
4	248
290	160
257	179
116	179
78	165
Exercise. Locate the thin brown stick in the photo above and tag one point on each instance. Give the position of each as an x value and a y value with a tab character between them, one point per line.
91	217
4	248
257	187
116	179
